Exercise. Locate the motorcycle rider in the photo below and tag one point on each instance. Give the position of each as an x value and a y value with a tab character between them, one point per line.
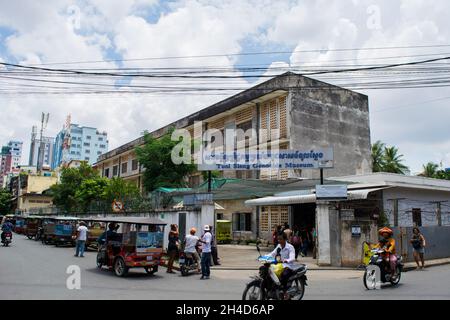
190	247
7	227
286	251
387	243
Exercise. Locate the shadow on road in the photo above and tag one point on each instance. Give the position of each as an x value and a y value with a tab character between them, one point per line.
133	274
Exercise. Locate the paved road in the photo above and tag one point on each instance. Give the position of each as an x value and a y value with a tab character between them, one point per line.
30	270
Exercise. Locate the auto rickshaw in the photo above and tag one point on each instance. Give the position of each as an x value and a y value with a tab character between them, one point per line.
136	242
95	230
32	224
47	230
65	230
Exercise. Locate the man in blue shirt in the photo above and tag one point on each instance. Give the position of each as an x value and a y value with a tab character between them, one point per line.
7	228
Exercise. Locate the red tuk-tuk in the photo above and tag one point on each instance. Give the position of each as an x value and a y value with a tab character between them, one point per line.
19	225
131	242
32	224
47	230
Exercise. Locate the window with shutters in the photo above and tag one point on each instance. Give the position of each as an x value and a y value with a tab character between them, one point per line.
242	221
244	115
273	216
283	117
134	164
273	118
124	167
264	219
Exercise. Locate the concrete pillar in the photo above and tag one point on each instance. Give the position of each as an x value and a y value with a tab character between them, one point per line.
323	234
207	215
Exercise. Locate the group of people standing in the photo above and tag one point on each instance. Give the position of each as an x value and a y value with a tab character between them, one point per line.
206	244
302	239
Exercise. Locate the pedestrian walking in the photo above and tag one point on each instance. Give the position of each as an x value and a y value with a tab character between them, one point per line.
314	239
81	238
206	253
275	233
287	230
173	247
214	251
296	240
418	242
305	238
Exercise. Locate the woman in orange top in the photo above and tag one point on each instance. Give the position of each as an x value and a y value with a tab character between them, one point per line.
388	244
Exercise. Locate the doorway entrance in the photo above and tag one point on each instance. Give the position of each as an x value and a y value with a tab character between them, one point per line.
304	221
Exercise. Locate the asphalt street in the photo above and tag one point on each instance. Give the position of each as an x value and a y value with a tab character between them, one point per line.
30	270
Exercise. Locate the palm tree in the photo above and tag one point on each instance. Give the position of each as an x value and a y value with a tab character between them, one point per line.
378	156
430	170
393	161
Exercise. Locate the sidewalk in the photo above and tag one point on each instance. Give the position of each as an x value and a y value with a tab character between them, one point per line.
244	257
409	266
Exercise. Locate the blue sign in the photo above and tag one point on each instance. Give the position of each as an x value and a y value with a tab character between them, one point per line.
278	160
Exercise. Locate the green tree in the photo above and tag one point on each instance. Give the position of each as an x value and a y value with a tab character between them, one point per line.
160	171
442	174
64	192
393	161
430	170
92	189
121	190
387	159
378	156
6	201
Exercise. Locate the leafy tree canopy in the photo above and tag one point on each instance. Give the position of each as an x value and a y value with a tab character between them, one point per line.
160	171
387	159
6	201
82	187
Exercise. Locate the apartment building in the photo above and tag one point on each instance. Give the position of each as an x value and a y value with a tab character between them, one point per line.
289	111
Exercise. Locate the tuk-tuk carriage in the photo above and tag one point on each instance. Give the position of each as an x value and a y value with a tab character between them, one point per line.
95	230
32	224
65	230
47	230
136	242
19	225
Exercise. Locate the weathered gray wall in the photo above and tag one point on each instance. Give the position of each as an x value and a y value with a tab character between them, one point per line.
437	242
330	118
352	247
416	198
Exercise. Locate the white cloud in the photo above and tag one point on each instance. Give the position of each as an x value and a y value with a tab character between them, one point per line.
50	32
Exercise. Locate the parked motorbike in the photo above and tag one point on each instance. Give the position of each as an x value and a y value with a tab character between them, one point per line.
371	279
7	238
266	285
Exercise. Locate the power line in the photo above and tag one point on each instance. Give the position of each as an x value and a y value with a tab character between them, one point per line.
78	72
251	54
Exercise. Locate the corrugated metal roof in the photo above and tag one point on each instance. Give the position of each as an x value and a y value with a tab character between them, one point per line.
306	198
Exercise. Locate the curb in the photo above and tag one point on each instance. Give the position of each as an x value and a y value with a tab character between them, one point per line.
413	267
237	268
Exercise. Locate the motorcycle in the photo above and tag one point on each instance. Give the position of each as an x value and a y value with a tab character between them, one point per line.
6	238
266	285
382	269
187	263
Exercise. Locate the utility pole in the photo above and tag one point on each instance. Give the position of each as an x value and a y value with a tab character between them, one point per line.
44	122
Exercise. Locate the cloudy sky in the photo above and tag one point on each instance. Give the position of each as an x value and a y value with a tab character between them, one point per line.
125	33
